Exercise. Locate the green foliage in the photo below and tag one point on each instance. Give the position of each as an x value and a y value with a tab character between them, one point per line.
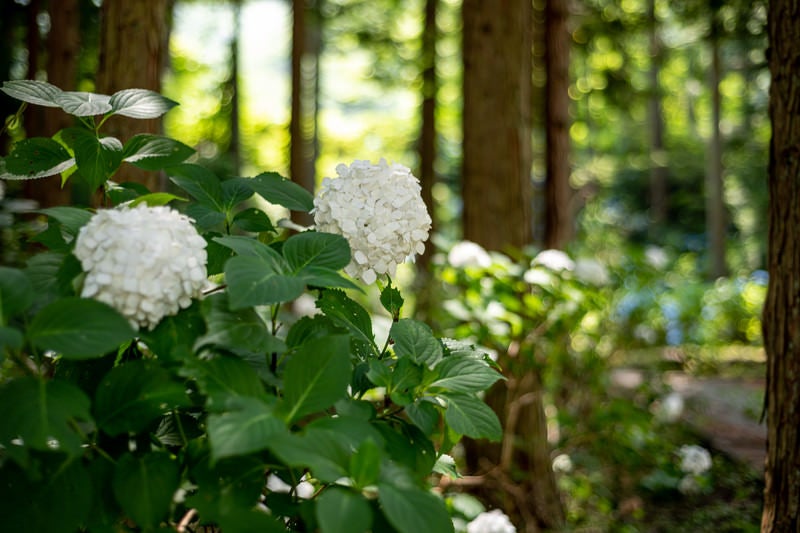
105	425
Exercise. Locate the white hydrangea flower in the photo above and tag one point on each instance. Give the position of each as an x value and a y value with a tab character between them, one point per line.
591	271
379	210
694	459
494	521
562	463
656	257
146	262
688	485
670	408
468	254
555	260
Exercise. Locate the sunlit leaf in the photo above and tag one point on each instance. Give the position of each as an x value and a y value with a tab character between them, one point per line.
33	92
312	249
467	415
464	374
140	103
83	104
276	189
415	340
154	152
37	157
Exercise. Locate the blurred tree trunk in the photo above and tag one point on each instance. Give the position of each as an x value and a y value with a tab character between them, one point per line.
558	230
134	39
715	202
306	49
427	137
234	148
782	306
62	48
658	154
517	475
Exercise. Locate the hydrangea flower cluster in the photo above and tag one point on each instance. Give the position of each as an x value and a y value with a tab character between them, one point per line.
468	254
694	459
379	210
494	521
146	262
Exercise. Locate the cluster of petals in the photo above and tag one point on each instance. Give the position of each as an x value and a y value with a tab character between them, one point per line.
146	262
379	210
694	459
465	254
494	521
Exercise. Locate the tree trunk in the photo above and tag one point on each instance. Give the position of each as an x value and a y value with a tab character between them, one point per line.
518	476
234	148
497	131
306	45
558	193
782	306
134	40
427	138
715	202
658	168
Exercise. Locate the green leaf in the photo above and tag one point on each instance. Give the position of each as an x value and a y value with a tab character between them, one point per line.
83	104
392	301
154	152
464	374
33	92
72	219
124	192
16	293
325	277
276	189
247	426
140	103
131	396
44	414
316	376
205	218
323	452
347	313
236	330
97	159
341	511
412	510
365	464
468	415
234	192
200	183
424	415
144	486
406	376
79	328
254	220
248	246
414	339
225	375
312	249
36	157
9	338
157	198
257	281
174	337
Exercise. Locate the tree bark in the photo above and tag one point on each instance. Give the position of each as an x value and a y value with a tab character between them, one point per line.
427	137
558	193
497	133
782	306
715	202
134	40
658	168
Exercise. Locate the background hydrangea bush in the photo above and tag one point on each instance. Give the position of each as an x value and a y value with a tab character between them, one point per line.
152	378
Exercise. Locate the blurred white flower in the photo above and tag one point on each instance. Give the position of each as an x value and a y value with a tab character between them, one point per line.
494	521
694	459
146	262
591	271
537	276
562	463
670	408
688	485
656	257
554	260
468	254
304	489
379	210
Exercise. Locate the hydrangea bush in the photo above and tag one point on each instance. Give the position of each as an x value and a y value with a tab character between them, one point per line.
152	378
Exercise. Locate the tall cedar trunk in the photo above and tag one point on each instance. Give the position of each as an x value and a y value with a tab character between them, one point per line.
782	306
427	137
658	168
62	50
134	38
305	79
558	229
497	215
234	149
715	203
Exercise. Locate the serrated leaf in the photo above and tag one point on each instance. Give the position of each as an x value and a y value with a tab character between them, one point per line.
154	152
276	189
233	330
464	374
406	376
247	426
97	160
33	92
157	198
392	301
226	375
72	219
257	281
411	510
468	415
79	328
140	103
342	511
347	313
83	104
254	220
234	192
312	249
37	157
16	293
202	184
131	396
316	376
43	414
415	340
322	452
206	218
144	486
424	415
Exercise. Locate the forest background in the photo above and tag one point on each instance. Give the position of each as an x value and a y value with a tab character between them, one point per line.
649	143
